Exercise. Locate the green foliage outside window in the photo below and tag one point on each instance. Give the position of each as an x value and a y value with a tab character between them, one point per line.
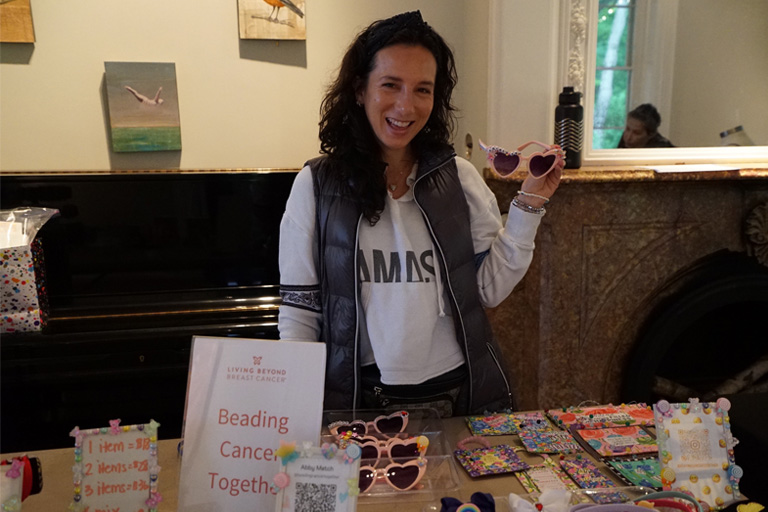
614	68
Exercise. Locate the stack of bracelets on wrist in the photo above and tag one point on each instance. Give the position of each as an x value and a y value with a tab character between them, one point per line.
522	205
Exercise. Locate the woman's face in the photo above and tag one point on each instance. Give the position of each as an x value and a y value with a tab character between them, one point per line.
398	96
635	135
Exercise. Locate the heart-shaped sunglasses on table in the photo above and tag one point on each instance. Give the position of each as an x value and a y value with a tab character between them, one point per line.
396	450
392	424
540	163
401	477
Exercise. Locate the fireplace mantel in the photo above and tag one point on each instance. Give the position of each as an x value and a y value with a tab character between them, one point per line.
608	243
627	174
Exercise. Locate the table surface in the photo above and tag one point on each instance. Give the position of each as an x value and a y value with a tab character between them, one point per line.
57	477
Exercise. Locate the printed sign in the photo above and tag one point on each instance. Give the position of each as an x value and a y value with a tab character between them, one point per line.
318	478
243	397
116	468
696	450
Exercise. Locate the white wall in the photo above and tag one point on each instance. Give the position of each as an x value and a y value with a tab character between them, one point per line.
721	71
472	64
523	71
243	104
251	104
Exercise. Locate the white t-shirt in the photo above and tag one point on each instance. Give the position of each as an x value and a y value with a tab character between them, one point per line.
402	297
408	330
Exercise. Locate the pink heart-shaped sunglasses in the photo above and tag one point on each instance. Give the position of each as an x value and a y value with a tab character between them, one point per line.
540	163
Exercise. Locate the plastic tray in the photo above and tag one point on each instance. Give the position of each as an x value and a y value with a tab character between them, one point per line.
441	477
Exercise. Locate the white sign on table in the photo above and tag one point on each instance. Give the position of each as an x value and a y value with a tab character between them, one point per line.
319	478
116	468
243	397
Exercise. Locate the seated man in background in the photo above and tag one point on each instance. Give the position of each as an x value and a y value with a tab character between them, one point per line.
642	129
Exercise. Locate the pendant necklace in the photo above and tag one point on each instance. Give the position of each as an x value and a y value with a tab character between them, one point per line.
393	186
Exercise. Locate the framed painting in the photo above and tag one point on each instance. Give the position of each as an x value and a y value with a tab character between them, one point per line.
143	106
16	22
272	19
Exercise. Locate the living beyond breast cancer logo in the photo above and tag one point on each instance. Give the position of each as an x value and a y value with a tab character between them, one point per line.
257	372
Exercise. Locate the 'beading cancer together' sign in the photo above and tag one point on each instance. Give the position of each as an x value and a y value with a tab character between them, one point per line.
243	397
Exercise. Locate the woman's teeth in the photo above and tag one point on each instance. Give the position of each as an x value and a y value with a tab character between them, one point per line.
399	124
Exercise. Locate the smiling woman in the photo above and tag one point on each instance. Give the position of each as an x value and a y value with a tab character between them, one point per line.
389	191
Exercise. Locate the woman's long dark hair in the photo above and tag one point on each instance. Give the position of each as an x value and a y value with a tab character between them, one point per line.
345	133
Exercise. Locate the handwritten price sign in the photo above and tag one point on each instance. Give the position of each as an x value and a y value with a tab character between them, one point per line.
116	468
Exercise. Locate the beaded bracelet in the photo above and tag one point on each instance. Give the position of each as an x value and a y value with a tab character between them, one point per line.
528	208
529	194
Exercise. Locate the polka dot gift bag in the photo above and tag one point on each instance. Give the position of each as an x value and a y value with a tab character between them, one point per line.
22	277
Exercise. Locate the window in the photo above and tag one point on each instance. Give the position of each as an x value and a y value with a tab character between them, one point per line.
614	67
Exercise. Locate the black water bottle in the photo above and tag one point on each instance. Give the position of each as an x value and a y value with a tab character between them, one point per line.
569	126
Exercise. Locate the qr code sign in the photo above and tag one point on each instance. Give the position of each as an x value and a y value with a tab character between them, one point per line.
315	497
694	445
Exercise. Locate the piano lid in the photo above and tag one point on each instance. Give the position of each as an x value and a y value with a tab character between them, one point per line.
138	240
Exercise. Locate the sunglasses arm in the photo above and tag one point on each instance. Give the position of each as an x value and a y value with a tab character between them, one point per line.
547	147
484	146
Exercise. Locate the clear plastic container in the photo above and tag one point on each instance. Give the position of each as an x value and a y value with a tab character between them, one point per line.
441	477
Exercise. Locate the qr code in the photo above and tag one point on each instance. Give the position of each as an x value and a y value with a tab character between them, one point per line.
315	497
694	445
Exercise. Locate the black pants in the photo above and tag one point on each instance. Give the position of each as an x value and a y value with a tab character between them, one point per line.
440	393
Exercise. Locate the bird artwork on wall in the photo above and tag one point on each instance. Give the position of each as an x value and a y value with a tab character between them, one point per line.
272	19
140	122
277	4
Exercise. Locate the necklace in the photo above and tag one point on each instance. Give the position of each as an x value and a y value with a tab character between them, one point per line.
393	186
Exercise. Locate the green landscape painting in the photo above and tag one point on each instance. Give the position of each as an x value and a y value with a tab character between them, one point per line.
143	106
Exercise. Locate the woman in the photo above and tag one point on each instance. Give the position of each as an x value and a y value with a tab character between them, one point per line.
391	245
642	130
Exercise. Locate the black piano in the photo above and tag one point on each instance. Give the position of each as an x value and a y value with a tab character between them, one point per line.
136	264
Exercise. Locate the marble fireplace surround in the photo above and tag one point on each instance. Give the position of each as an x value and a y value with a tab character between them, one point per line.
608	243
